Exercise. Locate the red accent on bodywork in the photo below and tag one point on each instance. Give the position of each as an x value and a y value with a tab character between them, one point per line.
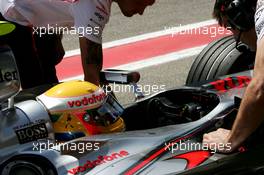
243	80
154	156
230	82
194	158
145	162
219	85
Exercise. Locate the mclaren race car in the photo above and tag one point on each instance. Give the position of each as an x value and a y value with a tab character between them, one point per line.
163	131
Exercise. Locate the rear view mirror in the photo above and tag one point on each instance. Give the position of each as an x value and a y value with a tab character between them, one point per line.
9	78
119	76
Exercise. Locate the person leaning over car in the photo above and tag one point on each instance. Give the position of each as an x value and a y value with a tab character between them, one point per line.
87	16
36	58
246	19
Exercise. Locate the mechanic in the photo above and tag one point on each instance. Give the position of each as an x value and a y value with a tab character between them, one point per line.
36	56
246	18
87	16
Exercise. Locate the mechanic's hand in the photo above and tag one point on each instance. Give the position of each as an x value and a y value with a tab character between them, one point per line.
218	141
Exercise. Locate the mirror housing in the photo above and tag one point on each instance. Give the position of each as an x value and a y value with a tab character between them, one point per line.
9	77
119	76
123	77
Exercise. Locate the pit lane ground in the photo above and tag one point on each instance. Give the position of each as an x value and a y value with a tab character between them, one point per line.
164	14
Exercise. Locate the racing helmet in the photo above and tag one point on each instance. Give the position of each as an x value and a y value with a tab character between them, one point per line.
79	108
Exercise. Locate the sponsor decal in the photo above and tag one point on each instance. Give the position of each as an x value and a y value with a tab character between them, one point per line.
85	101
7	76
31	132
99	161
228	83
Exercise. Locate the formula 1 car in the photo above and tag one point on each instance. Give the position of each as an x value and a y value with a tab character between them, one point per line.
163	131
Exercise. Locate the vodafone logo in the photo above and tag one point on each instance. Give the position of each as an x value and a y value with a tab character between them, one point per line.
85	101
100	160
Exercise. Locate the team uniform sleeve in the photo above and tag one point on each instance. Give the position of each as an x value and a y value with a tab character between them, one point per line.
259	19
90	18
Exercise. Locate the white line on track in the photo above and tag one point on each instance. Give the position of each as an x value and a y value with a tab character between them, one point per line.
153	61
171	30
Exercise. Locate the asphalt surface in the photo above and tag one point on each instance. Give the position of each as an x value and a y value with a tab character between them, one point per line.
163	14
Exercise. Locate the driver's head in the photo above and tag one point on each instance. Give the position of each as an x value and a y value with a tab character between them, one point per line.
238	16
79	108
132	7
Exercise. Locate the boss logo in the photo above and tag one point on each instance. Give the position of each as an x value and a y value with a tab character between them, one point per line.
34	132
7	76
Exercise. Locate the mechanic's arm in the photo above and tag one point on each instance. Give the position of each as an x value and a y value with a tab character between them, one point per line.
92	59
251	112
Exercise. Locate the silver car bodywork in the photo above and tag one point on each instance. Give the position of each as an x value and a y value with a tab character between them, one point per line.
27	138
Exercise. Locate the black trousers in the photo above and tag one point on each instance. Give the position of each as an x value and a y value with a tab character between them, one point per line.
36	56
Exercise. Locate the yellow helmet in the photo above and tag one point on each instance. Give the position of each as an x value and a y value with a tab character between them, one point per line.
79	108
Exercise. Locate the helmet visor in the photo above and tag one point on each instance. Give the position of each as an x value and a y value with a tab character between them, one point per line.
106	114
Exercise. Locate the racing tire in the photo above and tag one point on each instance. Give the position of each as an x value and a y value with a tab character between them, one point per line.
220	58
27	166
